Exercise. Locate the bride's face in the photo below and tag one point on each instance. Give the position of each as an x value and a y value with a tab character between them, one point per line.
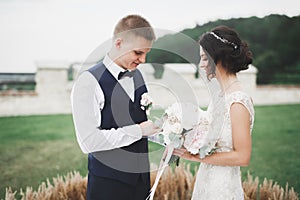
204	61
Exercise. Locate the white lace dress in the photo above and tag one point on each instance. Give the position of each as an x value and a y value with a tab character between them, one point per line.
223	182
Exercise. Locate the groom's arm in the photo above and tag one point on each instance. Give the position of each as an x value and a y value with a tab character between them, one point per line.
87	101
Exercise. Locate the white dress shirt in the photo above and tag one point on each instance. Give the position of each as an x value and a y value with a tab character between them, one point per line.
87	101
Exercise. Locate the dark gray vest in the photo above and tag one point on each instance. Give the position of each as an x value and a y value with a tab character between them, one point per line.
125	164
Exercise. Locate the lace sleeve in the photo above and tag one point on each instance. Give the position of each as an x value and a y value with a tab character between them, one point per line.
245	100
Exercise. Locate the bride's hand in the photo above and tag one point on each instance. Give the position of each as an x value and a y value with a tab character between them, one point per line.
183	153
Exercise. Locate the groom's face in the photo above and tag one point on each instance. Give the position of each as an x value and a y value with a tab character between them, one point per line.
133	52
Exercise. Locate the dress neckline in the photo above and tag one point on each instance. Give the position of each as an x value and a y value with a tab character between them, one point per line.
237	91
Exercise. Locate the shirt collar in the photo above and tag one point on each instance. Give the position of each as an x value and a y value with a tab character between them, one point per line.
112	67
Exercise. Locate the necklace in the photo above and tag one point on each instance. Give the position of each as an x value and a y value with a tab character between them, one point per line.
225	89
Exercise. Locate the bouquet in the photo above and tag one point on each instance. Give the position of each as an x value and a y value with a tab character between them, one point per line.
173	126
184	125
197	141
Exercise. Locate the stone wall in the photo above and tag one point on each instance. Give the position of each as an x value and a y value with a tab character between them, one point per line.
51	95
178	83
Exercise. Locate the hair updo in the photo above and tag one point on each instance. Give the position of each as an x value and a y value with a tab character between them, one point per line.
223	45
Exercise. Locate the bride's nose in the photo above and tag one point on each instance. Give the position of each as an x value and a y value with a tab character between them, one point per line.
201	65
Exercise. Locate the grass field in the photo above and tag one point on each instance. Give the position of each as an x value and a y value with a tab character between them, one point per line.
34	148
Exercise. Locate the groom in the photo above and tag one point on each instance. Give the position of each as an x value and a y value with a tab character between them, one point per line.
109	122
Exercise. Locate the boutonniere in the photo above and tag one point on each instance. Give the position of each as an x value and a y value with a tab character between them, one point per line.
146	103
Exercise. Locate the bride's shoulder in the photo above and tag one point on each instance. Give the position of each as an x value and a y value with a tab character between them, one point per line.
239	97
244	99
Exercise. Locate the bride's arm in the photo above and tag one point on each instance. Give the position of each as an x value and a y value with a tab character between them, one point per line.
241	139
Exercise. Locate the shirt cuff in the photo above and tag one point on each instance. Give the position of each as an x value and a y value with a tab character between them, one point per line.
134	131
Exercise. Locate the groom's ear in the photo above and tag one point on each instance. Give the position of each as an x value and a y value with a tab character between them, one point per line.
118	42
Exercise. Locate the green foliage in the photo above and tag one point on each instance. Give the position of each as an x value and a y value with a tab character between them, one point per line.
265	60
273	41
177	48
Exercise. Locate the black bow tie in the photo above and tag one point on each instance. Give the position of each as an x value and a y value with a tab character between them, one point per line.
126	73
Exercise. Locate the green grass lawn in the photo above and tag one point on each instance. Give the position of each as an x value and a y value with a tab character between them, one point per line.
34	148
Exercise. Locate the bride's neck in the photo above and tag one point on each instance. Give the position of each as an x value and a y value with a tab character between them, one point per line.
226	80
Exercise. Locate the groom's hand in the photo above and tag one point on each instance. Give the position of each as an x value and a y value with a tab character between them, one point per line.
149	128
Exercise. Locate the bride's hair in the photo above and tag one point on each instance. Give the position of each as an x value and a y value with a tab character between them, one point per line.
223	45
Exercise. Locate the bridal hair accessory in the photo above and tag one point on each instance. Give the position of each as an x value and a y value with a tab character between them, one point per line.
235	46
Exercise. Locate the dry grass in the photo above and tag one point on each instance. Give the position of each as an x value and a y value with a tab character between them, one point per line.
273	191
175	184
72	186
267	190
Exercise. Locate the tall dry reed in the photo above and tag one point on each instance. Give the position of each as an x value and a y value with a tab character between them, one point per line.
175	184
273	191
72	186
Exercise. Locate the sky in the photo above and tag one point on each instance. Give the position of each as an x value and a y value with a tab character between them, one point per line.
66	31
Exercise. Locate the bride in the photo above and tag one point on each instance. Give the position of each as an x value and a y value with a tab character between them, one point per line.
223	54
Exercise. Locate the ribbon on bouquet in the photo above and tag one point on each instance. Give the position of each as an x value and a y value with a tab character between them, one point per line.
170	149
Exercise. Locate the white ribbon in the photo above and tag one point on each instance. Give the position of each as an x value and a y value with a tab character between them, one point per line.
170	149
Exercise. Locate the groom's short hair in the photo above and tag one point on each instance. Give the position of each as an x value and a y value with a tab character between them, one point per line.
135	25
